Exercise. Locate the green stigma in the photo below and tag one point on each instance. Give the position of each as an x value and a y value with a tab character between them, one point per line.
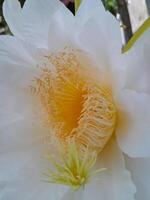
74	169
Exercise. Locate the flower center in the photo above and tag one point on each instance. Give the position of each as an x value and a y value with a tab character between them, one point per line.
77	105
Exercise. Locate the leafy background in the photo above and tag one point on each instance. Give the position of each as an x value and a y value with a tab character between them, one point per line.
111	5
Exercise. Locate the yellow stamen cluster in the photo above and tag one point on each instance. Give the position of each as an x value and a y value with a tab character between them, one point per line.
78	106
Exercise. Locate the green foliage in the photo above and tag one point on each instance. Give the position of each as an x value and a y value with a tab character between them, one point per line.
111	5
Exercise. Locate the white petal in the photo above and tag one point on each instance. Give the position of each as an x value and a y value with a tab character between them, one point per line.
21	176
40	13
31	190
20	134
20	126
22	152
97	36
32	23
137	61
13	17
22	164
114	183
96	33
133	131
74	195
139	168
88	9
13	51
93	38
19	61
61	31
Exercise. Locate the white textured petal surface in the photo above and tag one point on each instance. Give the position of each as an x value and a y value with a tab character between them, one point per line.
12	14
88	9
18	64
98	30
21	132
137	61
139	168
21	176
40	14
61	31
32	23
22	150
17	70
20	128
13	51
133	131
113	184
97	33
31	191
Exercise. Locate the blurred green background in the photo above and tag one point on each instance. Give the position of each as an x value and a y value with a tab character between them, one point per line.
111	5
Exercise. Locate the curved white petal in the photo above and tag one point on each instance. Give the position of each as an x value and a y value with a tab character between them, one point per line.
17	122
97	34
32	23
40	14
21	176
13	16
137	61
113	184
133	131
99	38
13	51
22	151
98	30
88	9
31	190
61	31
18	63
139	168
17	70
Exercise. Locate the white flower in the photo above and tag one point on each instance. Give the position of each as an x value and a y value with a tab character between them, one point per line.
64	77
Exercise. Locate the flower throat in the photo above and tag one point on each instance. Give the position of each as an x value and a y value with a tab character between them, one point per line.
76	105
